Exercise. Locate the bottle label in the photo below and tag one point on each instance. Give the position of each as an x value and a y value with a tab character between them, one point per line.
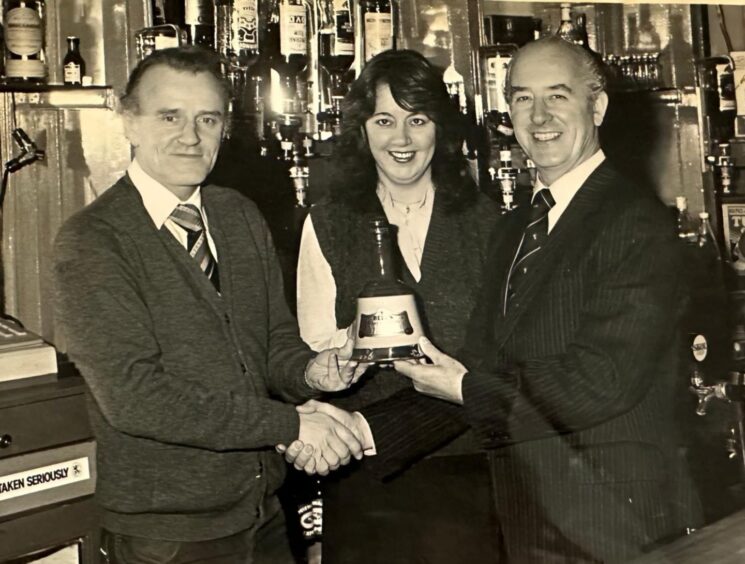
496	71
385	323
23	31
198	12
72	73
344	29
378	33
245	24
25	68
292	31
163	41
344	44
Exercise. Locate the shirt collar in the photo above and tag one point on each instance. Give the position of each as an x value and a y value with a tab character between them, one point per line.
424	205
158	200
564	188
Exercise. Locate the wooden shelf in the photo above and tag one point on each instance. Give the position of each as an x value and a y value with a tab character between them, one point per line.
60	96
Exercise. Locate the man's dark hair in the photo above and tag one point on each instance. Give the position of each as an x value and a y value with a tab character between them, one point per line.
587	62
188	59
416	86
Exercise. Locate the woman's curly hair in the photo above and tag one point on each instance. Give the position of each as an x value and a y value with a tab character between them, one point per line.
416	86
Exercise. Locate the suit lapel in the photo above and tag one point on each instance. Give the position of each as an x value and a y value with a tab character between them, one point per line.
571	229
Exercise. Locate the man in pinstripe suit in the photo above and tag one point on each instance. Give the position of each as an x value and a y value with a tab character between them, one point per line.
570	370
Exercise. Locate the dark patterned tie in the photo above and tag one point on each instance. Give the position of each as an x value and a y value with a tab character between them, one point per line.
188	217
534	237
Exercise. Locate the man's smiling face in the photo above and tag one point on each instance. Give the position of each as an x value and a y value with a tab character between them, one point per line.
555	117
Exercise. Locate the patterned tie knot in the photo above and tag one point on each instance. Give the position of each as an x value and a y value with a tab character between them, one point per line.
534	237
542	202
188	217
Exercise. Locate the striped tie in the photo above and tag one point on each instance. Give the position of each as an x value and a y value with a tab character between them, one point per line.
534	237
188	217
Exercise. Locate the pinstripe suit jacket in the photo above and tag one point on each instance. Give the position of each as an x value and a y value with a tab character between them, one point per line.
571	392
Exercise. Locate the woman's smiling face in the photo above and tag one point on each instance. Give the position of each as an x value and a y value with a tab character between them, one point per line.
401	142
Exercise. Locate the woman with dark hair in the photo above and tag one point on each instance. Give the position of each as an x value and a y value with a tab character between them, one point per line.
399	156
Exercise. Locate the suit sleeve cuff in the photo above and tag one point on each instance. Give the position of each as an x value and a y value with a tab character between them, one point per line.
488	398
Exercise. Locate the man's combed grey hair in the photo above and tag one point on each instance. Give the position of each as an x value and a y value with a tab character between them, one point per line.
587	62
190	58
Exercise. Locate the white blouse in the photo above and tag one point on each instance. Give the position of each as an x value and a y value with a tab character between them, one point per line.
316	289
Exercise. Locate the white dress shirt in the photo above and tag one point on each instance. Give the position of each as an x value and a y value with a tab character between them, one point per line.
159	202
564	188
316	288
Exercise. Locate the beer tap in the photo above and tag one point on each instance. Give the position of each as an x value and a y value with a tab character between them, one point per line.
706	393
289	130
300	173
724	165
506	175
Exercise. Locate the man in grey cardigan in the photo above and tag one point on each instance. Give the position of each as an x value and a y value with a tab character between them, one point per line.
170	297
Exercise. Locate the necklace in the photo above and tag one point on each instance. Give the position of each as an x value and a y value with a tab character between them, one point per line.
408	206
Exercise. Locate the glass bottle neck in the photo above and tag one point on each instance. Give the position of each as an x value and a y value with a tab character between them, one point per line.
384	260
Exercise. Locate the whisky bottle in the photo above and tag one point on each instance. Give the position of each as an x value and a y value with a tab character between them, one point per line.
200	22
73	65
25	59
494	61
684	224
568	30
237	31
377	18
336	49
287	40
388	326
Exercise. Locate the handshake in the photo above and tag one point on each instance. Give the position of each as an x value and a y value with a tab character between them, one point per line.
329	437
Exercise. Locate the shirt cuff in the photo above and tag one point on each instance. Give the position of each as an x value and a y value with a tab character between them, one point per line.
368	442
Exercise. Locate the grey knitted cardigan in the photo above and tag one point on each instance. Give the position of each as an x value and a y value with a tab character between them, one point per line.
183	381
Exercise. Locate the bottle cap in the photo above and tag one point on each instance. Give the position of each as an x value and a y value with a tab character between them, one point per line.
73	37
681	202
703	215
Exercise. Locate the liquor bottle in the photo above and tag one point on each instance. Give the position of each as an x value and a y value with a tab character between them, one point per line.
388	326
199	20
237	31
684	225
73	65
676	59
647	38
494	61
377	18
568	30
158	11
287	40
237	42
173	12
335	48
582	26
25	60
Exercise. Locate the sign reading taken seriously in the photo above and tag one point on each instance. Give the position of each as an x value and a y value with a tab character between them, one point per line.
44	478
